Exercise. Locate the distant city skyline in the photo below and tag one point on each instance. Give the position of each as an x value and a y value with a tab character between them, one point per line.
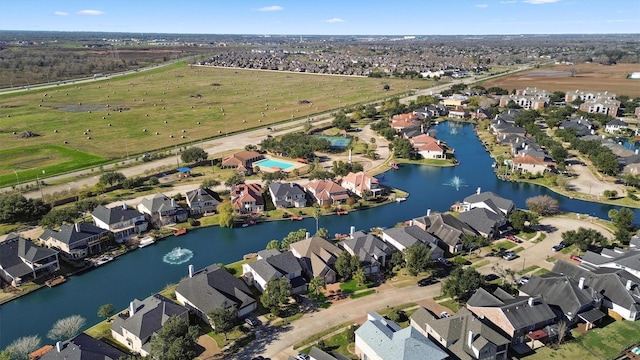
326	17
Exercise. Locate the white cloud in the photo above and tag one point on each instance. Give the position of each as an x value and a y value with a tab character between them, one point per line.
90	12
540	2
508	2
334	20
482	6
60	13
271	8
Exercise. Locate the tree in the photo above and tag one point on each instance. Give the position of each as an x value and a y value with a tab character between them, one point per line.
397	260
623	220
316	285
273	244
112	178
209	184
583	238
224	319
20	348
402	148
193	154
275	294
66	328
517	219
360	276
225	213
106	311
562	330
176	340
543	205
341	122
14	207
57	217
418	257
346	265
317	211
461	282
293	236
323	233
234	179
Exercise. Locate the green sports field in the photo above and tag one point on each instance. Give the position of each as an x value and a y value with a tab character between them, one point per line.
82	125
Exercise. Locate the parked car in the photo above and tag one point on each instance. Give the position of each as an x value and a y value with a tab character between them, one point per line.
444	314
491	277
559	247
444	261
426	281
509	255
302	356
523	280
251	321
513	239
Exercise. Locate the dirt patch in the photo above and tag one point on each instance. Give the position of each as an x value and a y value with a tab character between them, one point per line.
593	77
587	183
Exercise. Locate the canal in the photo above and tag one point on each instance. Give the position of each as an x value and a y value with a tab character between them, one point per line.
144	272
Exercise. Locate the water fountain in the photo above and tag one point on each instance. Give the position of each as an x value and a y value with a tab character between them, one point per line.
456	182
177	256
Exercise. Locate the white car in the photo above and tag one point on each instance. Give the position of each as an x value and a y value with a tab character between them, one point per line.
302	356
523	280
509	255
444	314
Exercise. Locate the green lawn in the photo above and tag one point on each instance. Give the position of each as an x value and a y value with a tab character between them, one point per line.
352	286
338	343
528	269
362	293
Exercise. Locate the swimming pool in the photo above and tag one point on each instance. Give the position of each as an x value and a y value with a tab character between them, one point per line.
337	141
271	163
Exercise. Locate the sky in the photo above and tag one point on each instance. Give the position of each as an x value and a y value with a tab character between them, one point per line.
325	17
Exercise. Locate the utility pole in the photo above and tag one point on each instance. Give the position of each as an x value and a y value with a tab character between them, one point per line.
39	186
17	179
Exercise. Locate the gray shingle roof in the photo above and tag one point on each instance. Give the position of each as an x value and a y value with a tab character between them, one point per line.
561	291
489	198
285	190
69	234
483	220
84	347
158	202
448	228
283	264
318	255
15	248
213	287
115	215
202	195
319	354
390	342
149	317
367	247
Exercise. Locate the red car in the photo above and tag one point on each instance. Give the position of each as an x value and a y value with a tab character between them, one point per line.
514	239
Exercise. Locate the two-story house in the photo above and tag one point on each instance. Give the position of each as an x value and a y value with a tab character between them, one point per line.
162	210
81	346
287	195
360	183
247	198
77	241
22	261
202	201
122	221
317	257
372	251
272	264
327	192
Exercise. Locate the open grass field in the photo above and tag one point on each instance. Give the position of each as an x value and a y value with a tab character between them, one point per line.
164	108
592	77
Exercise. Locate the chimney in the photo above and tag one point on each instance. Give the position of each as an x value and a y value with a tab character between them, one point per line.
124	205
530	301
636	152
422	129
77	226
411	222
352	229
173	202
190	271
428	212
438	142
504	136
496	118
470	339
478	191
132	308
307	235
581	283
350	156
517	140
59	346
629	285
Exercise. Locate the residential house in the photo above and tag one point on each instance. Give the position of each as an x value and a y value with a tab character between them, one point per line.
615	126
532	164
447	228
490	201
455	100
582	126
518	317
382	339
570	299
620	290
360	183
22	261
273	265
83	346
533	91
373	252
75	242
484	221
317	257
287	195
458	112
431	111
212	288
327	192
464	335
401	121
161	210
526	101
481	114
134	329
241	161
601	106
616	258
122	221
407	236
247	198
428	147
202	201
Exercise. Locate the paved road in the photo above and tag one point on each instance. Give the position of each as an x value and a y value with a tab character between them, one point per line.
277	342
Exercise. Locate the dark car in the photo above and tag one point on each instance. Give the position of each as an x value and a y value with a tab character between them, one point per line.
491	277
559	247
426	281
444	261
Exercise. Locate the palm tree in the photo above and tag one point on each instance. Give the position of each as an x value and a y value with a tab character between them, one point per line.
317	211
316	285
360	276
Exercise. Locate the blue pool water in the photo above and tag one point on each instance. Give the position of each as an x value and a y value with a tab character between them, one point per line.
270	163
